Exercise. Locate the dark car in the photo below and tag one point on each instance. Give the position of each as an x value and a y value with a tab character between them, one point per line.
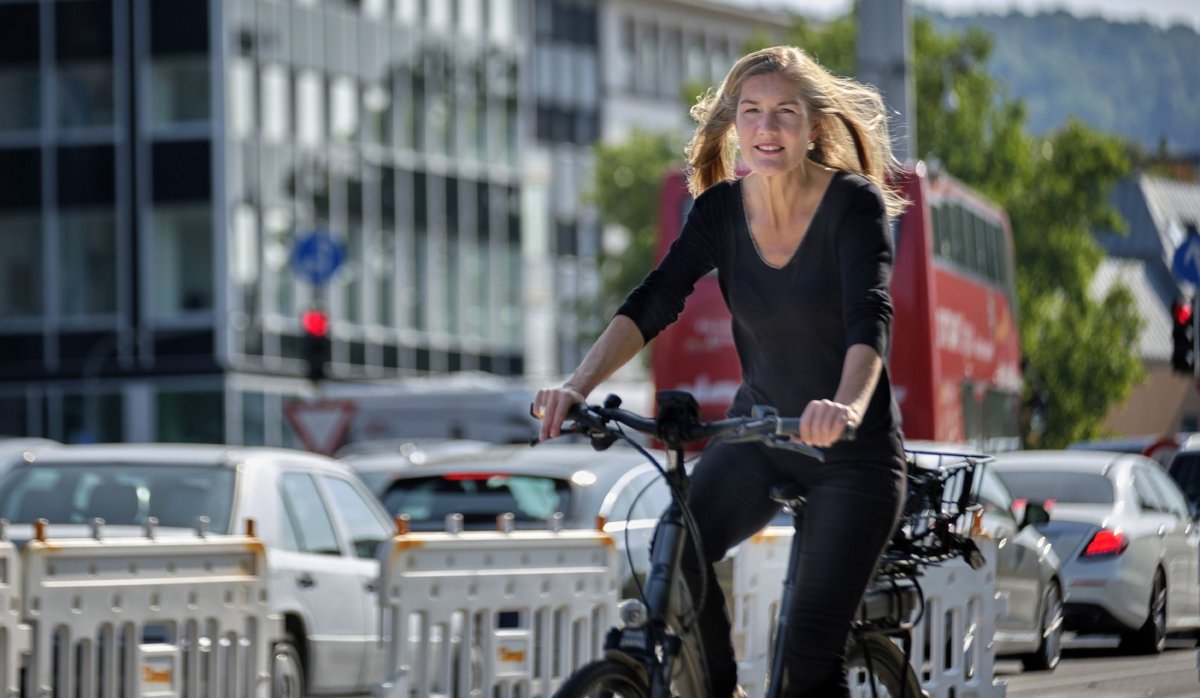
1184	469
617	490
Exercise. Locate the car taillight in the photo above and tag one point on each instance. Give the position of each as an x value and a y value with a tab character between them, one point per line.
1106	542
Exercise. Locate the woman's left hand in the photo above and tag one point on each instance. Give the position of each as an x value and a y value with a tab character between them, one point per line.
824	421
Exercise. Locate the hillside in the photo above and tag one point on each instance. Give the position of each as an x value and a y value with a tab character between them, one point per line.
1133	79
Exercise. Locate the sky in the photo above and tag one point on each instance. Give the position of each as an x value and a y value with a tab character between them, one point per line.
1159	12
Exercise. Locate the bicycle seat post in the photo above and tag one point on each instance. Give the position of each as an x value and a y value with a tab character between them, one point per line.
791	496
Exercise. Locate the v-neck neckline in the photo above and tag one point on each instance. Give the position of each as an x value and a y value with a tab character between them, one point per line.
750	231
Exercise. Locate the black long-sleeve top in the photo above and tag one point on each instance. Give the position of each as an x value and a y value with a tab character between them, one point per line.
793	324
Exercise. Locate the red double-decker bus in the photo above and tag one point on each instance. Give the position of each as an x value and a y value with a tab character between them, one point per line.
955	360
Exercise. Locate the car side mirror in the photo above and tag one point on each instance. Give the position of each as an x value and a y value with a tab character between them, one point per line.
1035	514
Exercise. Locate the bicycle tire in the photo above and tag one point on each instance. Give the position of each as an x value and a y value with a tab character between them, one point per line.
604	678
893	676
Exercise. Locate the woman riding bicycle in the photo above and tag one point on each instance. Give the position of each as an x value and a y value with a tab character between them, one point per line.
802	248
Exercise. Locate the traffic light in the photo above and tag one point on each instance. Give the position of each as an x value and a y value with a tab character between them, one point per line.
1183	338
314	347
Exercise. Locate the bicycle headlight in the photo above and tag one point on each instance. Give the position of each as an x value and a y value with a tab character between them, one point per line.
632	613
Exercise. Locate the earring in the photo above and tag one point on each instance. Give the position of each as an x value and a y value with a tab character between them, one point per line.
812	144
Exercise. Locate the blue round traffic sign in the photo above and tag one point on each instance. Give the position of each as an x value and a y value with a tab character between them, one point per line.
316	256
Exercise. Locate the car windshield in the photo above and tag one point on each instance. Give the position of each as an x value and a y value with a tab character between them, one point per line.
1063	488
119	493
479	497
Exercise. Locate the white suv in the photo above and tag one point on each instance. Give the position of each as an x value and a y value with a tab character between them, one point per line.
319	523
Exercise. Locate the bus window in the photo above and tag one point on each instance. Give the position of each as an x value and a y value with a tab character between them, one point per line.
958	233
983	247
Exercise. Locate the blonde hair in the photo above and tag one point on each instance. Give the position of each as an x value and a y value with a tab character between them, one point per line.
849	124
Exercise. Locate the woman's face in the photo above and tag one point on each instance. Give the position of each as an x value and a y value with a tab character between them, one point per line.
773	128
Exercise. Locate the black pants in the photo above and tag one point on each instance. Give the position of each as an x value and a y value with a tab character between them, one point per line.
851	511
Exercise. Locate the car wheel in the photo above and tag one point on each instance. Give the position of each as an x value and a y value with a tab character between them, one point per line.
287	672
1151	638
1049	651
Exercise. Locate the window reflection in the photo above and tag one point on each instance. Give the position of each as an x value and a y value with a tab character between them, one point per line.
179	90
343	112
310	109
276	102
190	417
277	226
85	95
377	112
20	265
20	107
183	260
84	61
241	98
88	252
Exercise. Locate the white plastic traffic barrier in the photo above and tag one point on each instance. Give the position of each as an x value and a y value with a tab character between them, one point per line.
14	637
952	646
952	643
493	614
173	617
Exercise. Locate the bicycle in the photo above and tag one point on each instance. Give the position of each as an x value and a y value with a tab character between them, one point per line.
653	654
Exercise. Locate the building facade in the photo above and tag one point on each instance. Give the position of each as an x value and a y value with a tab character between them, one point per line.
161	158
159	162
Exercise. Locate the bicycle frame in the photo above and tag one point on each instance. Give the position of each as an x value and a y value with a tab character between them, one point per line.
665	561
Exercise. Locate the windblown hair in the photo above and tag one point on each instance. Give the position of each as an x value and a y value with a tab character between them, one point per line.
849	124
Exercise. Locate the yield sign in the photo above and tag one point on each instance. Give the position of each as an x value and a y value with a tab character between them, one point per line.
321	425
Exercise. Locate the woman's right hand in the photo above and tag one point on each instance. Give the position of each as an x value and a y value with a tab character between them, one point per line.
551	405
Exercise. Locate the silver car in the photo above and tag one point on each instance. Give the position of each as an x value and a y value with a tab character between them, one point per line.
318	522
1129	546
617	490
1028	571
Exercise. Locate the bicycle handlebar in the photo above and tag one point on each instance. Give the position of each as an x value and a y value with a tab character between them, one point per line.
678	423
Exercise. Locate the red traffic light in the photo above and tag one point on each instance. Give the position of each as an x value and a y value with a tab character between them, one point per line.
1182	312
315	323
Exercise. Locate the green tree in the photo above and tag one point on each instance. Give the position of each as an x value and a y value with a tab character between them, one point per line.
1055	190
628	178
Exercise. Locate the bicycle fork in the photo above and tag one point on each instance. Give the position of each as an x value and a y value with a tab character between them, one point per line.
651	645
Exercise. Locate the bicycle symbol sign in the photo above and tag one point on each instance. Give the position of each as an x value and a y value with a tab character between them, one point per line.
316	256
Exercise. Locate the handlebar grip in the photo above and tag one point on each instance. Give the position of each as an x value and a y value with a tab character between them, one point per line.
790	426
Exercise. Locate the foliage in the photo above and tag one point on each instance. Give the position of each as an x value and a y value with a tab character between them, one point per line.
627	183
1136	79
1055	190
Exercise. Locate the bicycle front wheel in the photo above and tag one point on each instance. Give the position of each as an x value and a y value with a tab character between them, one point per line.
604	678
875	668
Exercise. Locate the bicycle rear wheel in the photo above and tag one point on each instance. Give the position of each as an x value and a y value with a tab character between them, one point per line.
604	678
876	668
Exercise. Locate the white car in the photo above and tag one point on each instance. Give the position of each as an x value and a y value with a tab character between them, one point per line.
318	522
1129	546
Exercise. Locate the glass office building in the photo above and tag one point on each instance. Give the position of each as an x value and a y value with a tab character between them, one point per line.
159	158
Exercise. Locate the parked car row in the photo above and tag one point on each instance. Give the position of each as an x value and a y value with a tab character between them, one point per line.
1119	552
1128	541
321	522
